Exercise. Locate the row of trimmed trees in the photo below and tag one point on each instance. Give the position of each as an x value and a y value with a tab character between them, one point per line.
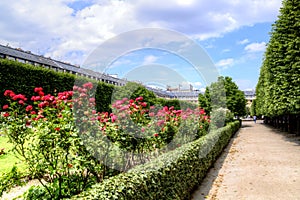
278	88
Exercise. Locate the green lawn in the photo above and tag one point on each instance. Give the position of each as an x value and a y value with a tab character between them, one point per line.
8	160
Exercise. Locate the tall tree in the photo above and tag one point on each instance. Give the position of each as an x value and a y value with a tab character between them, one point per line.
224	93
205	101
279	82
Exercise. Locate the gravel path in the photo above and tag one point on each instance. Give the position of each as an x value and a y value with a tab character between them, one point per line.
259	163
14	193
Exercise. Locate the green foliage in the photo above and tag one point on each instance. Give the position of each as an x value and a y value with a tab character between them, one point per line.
23	78
253	108
177	104
10	180
45	136
235	98
36	193
279	82
205	100
220	117
173	175
224	94
103	96
9	159
134	90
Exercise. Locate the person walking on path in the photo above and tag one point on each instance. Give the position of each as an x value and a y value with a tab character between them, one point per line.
254	119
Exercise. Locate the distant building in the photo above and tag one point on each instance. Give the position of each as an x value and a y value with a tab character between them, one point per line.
186	93
27	57
250	96
22	56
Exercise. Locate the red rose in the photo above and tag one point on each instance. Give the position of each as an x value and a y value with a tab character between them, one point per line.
21	102
202	112
88	85
75	87
6	114
9	93
28	123
144	104
113	118
41	93
166	109
5	107
92	100
155	134
139	99
29	108
57	129
38	89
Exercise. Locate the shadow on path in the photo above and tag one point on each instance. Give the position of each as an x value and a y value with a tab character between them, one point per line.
285	135
213	172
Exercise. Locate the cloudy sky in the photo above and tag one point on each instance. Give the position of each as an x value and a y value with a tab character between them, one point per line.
233	33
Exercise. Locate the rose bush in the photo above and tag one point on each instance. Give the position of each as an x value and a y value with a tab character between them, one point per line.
45	136
70	145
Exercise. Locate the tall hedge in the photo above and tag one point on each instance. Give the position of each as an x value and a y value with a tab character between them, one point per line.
23	78
279	82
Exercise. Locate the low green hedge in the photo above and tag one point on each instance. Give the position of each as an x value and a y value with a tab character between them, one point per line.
173	175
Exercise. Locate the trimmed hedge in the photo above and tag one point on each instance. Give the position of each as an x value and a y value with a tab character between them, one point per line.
177	104
173	175
23	78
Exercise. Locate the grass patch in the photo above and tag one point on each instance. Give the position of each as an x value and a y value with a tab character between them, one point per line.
9	159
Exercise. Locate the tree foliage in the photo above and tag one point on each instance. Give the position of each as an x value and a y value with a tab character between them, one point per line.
134	90
224	94
279	82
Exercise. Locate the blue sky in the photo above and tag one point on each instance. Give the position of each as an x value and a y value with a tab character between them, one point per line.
233	33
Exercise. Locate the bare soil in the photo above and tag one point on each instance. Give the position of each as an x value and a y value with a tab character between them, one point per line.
259	163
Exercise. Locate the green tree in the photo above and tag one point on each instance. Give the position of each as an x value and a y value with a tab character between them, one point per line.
279	82
224	93
235	98
253	108
133	90
205	101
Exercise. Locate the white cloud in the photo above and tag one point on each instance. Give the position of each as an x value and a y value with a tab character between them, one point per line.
61	31
204	20
245	41
225	63
197	84
149	59
256	47
225	50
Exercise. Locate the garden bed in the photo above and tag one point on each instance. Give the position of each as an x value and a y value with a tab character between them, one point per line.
173	175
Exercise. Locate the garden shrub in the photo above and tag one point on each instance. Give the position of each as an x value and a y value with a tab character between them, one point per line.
220	117
10	180
45	137
173	175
